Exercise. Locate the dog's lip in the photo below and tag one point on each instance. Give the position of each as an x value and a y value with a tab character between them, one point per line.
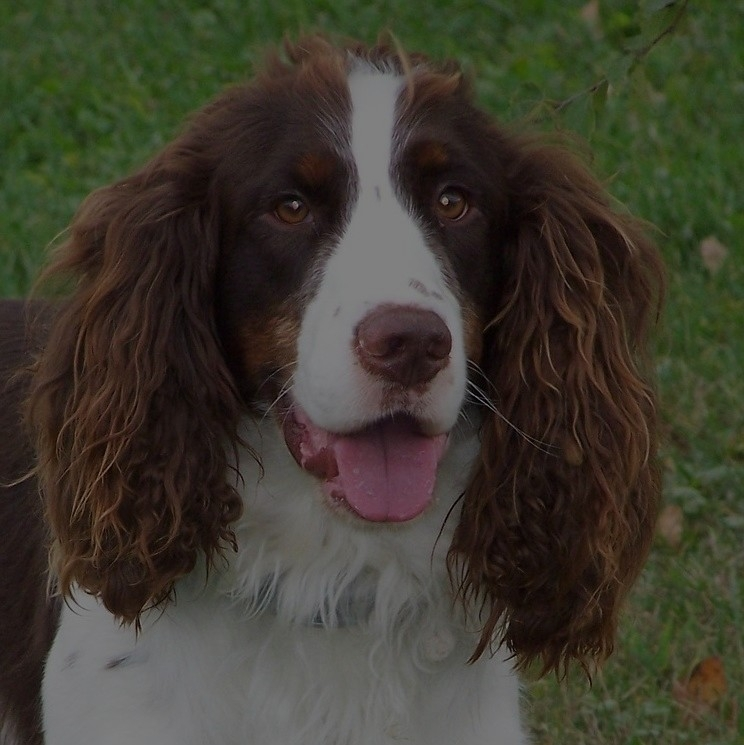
383	472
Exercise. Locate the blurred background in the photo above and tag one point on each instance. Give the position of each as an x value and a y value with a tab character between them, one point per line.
90	89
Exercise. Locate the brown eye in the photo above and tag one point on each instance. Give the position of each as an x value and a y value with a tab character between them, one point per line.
451	205
292	211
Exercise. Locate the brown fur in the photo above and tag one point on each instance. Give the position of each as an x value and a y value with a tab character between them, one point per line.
135	409
131	399
28	617
558	518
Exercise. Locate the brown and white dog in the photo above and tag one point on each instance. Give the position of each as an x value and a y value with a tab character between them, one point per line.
347	416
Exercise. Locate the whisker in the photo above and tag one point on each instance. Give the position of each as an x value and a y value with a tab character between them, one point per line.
465	416
276	372
478	396
283	391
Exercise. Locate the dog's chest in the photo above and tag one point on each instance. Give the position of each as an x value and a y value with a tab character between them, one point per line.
273	684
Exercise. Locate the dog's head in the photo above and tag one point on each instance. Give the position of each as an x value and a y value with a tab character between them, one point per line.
349	246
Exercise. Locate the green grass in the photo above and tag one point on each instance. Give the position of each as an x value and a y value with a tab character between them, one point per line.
90	89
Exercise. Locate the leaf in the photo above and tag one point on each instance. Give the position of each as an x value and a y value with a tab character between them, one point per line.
670	525
713	253
590	14
620	68
660	17
654	6
579	114
599	97
704	690
707	681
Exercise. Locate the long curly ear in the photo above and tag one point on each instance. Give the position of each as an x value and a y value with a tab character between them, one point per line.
559	516
131	402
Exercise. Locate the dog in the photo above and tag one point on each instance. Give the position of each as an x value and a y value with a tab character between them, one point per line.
347	418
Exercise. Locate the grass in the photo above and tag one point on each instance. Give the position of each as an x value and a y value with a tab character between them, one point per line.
89	89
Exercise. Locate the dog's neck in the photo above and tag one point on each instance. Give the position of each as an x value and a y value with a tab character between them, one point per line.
353	606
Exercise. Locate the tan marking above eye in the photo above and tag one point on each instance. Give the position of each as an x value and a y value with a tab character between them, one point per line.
431	155
292	211
315	169
451	204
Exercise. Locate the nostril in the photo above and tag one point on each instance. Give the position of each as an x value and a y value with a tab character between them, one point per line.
403	344
377	340
440	344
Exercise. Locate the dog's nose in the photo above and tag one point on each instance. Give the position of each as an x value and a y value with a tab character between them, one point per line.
402	344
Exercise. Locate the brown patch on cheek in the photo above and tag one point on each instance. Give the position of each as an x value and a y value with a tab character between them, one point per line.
269	350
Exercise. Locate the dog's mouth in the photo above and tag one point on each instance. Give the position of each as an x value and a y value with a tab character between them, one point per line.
384	472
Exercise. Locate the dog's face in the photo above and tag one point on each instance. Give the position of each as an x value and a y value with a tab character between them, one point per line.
348	248
357	278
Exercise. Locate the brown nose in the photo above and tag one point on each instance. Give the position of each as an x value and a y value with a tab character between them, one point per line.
403	345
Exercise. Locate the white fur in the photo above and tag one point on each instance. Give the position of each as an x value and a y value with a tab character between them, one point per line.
213	669
382	259
323	629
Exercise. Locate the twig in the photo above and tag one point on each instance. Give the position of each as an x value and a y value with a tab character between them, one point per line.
637	57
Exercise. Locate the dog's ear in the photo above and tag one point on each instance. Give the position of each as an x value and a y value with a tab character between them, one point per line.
559	516
131	402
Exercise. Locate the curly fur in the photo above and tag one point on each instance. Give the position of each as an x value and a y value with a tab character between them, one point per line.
559	516
136	400
133	403
131	400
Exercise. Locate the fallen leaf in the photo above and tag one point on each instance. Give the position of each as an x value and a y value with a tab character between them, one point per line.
670	525
590	12
713	254
704	690
590	15
707	681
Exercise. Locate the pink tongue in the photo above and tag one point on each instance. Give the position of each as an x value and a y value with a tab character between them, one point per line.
385	472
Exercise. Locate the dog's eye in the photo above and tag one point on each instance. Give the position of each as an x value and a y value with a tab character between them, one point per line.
292	211
451	204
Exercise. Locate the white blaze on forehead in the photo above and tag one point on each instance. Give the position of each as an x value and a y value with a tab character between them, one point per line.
383	249
381	258
374	97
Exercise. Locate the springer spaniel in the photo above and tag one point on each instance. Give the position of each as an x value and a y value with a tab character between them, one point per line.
347	417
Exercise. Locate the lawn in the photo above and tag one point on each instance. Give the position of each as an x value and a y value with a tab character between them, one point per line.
89	89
